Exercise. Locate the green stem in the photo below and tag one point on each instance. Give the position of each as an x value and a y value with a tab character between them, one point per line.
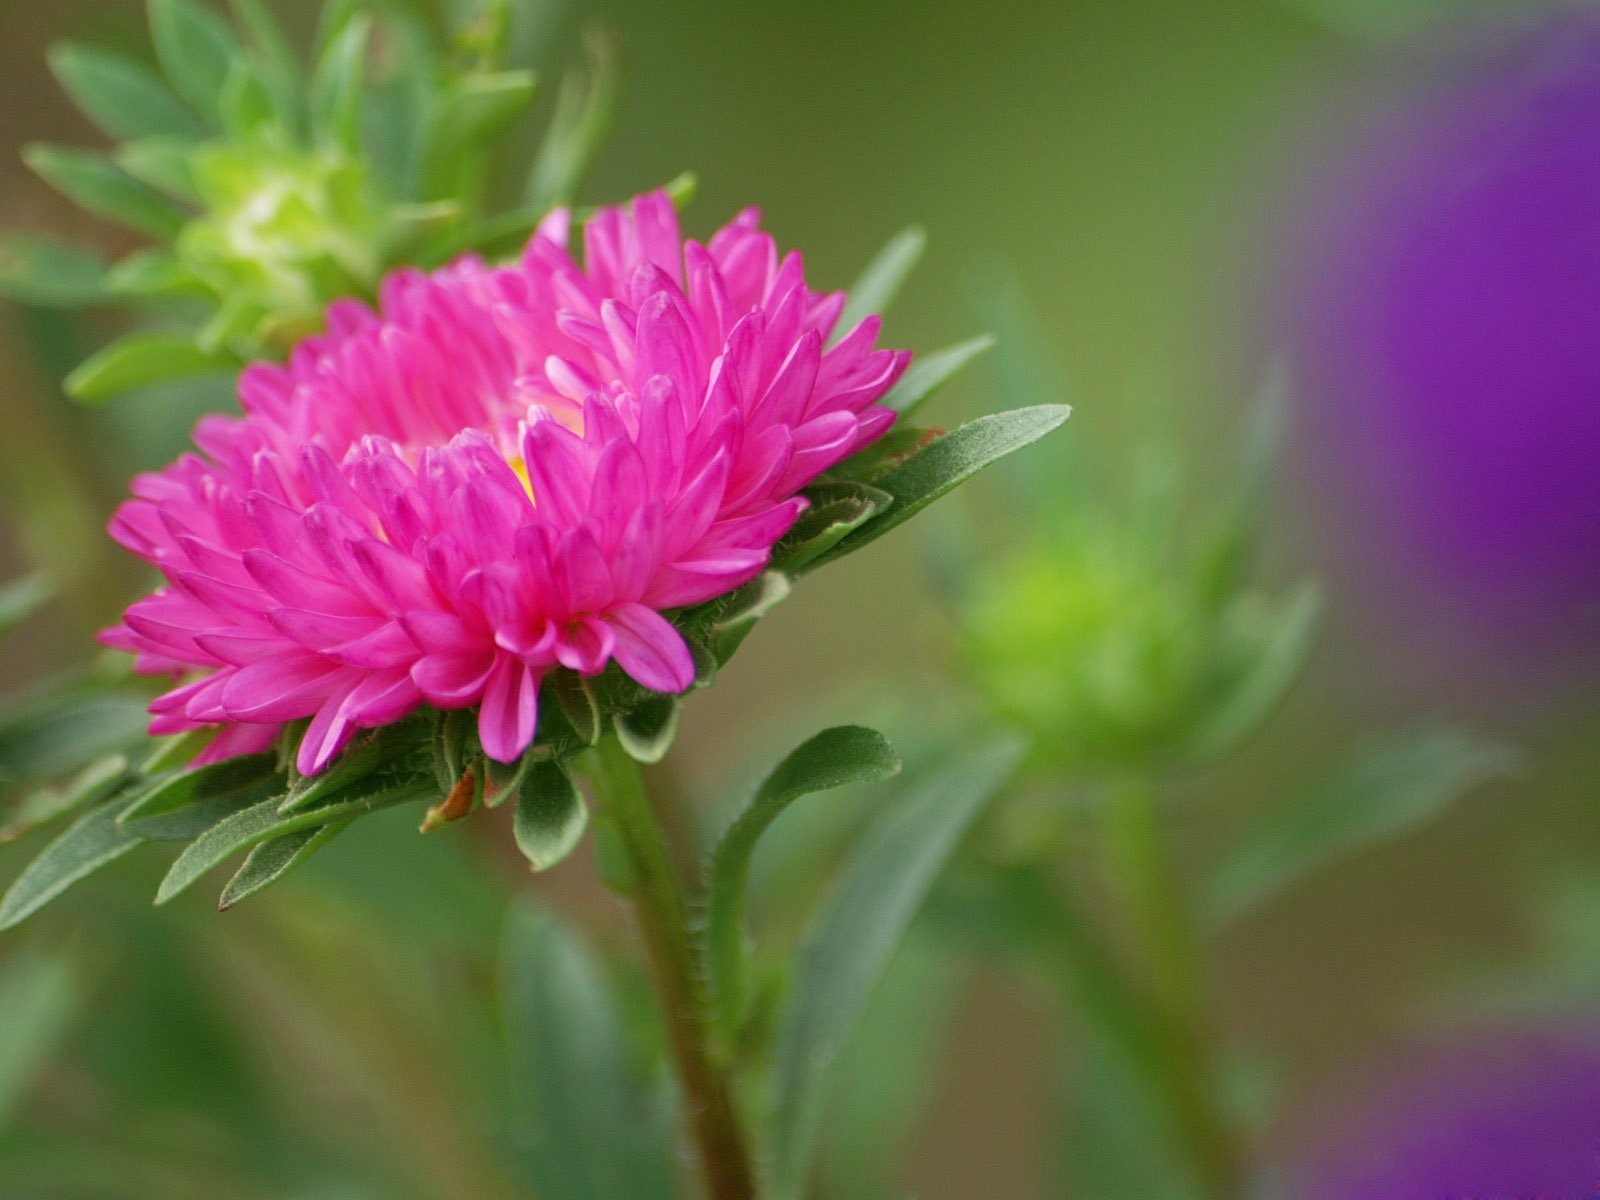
1166	945
641	867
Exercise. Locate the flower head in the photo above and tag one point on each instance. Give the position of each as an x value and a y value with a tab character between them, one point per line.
501	473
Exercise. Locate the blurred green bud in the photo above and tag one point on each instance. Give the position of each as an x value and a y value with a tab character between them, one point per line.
1126	641
269	188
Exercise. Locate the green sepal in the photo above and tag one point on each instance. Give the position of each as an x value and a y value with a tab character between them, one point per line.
837	508
737	615
646	730
550	817
575	695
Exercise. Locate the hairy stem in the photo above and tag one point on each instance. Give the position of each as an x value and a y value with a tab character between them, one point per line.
642	869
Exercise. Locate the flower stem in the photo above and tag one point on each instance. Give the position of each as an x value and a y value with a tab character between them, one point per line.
1139	866
642	869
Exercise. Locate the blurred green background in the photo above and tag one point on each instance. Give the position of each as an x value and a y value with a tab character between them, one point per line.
1139	171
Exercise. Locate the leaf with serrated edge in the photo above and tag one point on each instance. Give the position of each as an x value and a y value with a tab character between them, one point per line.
854	937
945	464
832	758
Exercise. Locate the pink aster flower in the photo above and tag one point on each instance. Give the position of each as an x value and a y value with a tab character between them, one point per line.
502	472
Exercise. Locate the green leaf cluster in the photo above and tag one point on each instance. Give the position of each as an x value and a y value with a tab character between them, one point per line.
269	187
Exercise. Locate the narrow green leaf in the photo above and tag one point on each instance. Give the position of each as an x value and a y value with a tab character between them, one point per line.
928	373
878	284
164	163
196	50
123	97
88	844
250	826
1286	639
272	860
280	66
854	937
646	730
38	270
152	273
89	786
1377	792
339	82
945	464
22	598
184	788
247	102
140	360
833	758
587	1126
837	509
551	815
95	183
586	107
473	111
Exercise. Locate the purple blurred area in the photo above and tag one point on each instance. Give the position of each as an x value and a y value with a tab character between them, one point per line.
1505	1115
1452	338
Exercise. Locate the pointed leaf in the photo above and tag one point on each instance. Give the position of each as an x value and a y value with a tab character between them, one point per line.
121	96
38	270
250	826
88	844
945	464
280	66
587	1126
247	103
89	786
646	730
929	372
551	815
473	111
585	110
152	272
272	860
196	50
140	360
165	163
93	182
833	758
856	934
339	82
178	791
881	280
1378	791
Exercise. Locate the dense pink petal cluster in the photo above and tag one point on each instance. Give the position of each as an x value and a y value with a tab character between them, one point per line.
503	471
